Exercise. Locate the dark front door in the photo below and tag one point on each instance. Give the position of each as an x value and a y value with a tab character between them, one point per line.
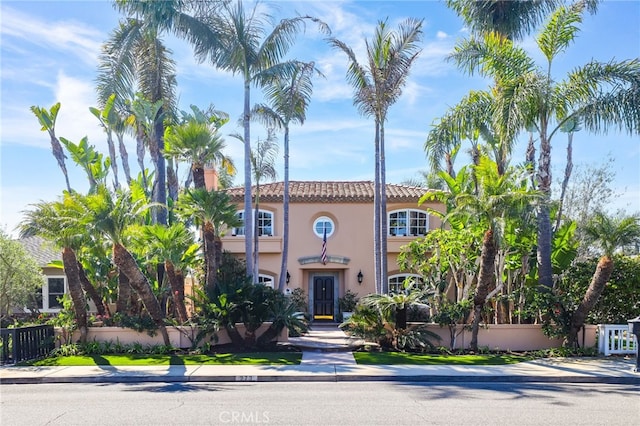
323	298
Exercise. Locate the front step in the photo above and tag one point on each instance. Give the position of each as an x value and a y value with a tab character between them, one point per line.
326	337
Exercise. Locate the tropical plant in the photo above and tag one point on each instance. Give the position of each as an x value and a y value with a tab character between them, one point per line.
239	42
112	214
90	160
495	199
599	95
288	101
135	60
213	212
47	119
511	19
173	246
61	222
198	141
611	233
378	85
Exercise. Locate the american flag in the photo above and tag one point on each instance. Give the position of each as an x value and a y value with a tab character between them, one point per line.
323	255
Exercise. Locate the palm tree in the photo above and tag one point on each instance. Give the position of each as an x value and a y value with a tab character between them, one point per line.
47	120
378	85
58	222
112	215
263	160
288	101
198	142
108	119
513	19
612	233
239	42
495	199
135	60
213	212
174	246
599	95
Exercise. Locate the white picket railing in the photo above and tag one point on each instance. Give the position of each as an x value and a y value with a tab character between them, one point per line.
615	339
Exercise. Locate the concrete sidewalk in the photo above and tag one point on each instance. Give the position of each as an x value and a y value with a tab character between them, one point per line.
565	370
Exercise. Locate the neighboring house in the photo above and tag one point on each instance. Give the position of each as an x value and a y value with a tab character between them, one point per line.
55	284
344	210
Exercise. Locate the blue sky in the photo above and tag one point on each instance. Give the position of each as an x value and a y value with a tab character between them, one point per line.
49	52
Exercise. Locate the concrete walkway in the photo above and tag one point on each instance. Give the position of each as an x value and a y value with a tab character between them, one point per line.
326	357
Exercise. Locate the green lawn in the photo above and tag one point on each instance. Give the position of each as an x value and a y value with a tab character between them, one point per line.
256	358
395	358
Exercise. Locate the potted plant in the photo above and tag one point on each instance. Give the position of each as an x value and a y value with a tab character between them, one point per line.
347	304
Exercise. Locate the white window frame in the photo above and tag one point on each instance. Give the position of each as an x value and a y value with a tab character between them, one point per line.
44	306
411	226
267	280
324	220
263	215
396	282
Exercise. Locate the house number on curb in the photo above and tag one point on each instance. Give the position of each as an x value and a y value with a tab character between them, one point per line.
246	378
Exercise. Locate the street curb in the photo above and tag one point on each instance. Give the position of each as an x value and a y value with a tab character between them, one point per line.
325	378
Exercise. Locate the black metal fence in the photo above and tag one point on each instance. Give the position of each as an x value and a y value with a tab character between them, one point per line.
25	343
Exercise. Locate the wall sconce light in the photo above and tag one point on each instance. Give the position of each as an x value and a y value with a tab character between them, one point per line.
288	277
360	277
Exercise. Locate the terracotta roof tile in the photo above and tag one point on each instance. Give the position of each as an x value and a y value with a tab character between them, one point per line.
319	191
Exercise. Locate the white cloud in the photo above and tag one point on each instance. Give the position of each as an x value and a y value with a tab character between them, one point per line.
441	35
81	41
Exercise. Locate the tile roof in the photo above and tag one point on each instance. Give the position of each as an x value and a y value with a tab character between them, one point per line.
319	191
43	251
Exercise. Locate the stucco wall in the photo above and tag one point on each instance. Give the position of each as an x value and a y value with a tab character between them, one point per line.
178	336
514	337
352	240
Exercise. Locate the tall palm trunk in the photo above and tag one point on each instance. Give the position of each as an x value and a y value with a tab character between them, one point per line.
595	289
565	180
71	270
176	280
161	170
248	223
209	257
123	303
58	153
383	213
112	153
197	171
377	219
139	283
124	157
545	271
91	291
485	277
285	215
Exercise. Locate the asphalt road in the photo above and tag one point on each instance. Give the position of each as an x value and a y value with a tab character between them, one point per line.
322	403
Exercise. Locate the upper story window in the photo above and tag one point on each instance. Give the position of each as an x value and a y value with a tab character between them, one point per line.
265	223
408	222
323	224
397	283
267	280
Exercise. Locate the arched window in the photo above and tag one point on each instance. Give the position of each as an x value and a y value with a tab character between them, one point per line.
323	224
408	222
267	280
397	282
265	223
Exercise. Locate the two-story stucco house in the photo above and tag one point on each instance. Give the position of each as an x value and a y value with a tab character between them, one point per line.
343	211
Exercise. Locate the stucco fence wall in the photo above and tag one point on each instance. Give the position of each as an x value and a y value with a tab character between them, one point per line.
178	336
511	337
